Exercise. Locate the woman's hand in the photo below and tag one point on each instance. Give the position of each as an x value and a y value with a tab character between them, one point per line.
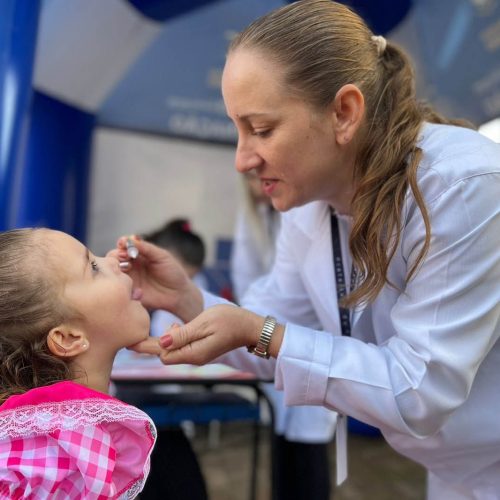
151	345
214	332
164	283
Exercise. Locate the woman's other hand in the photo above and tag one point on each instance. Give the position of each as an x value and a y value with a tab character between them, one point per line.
217	330
151	345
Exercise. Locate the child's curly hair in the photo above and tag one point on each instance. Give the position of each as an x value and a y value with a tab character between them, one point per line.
30	305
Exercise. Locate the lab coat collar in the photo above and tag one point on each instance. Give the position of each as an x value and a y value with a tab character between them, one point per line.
311	219
319	277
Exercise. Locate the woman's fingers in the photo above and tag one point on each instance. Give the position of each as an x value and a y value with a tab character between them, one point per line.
143	251
149	346
188	343
147	250
178	337
180	356
166	340
164	283
199	352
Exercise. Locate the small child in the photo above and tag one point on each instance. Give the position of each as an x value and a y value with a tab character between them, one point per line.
64	314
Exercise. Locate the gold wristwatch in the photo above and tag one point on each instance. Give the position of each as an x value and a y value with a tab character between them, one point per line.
261	349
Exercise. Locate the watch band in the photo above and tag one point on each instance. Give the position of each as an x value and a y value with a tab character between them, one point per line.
261	349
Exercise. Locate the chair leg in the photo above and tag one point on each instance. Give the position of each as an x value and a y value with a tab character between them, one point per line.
255	460
214	431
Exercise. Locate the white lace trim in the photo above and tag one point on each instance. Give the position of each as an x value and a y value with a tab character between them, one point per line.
135	489
38	419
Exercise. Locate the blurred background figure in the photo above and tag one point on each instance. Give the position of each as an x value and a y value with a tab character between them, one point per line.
257	226
301	433
187	247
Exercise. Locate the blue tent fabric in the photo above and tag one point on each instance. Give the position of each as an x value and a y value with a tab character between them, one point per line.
171	85
161	10
155	66
53	189
460	44
174	88
381	16
18	28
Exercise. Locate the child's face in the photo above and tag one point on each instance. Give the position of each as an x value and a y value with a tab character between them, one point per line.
100	292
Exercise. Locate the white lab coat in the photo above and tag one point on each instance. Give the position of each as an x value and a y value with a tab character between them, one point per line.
250	262
423	363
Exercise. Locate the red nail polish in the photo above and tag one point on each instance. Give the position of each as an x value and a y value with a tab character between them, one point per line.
166	341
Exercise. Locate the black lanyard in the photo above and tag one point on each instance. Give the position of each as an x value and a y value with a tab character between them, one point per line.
338	266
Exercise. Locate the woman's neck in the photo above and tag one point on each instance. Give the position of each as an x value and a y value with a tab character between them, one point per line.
342	202
342	191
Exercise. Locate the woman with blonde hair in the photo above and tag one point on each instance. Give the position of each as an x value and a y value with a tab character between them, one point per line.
384	300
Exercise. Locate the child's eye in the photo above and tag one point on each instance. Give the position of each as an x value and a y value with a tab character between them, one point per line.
94	265
262	133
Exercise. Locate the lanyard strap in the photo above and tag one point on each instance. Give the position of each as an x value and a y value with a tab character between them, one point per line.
338	266
345	325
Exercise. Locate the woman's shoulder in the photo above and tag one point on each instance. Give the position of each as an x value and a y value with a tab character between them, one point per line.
454	154
457	151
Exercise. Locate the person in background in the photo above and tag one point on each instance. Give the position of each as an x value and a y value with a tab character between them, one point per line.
257	227
388	248
184	244
301	467
64	314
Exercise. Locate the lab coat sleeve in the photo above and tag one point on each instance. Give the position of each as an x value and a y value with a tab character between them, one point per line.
444	323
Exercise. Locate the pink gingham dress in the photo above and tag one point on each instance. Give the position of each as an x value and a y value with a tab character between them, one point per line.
66	441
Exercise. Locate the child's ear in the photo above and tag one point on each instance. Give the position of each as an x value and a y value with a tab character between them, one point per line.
66	341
